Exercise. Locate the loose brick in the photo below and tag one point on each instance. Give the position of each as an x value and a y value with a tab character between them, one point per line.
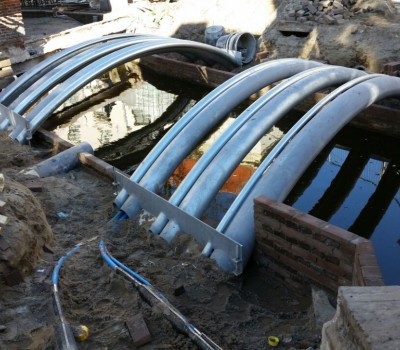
138	330
14	278
34	185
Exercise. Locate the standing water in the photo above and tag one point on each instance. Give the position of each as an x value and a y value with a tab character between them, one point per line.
354	182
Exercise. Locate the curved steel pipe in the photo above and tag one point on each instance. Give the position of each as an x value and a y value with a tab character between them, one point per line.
294	130
43	110
224	163
69	67
17	87
189	131
187	184
231	86
13	90
287	168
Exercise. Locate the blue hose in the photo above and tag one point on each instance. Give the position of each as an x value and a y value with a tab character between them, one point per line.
60	262
105	256
113	263
117	216
123	216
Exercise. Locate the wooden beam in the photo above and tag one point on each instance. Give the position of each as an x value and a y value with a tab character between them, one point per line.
376	118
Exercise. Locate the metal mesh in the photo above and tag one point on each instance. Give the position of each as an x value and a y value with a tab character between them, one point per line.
49	3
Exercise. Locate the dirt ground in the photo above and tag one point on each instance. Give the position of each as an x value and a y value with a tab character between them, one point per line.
236	312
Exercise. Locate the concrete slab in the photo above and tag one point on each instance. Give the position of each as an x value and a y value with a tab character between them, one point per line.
366	318
41	27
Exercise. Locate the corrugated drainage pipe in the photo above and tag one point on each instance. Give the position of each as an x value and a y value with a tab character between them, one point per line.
243	43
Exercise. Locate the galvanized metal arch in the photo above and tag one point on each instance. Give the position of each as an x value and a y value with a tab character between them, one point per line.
280	177
18	87
185	135
43	110
13	90
211	107
69	67
188	184
244	193
248	128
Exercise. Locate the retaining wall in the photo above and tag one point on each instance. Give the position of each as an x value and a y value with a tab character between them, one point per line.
11	24
301	248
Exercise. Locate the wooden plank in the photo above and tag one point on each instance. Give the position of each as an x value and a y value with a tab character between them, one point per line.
193	73
97	164
376	118
58	143
86	159
5	63
6	72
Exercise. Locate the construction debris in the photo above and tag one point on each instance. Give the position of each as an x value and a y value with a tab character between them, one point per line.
322	11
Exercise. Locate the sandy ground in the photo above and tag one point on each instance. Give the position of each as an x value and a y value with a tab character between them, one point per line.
236	312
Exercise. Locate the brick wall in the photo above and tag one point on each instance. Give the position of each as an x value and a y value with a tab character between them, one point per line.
11	23
301	248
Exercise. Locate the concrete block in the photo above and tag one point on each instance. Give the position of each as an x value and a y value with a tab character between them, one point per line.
366	318
323	310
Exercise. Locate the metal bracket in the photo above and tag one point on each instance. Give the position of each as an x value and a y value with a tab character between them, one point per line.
188	224
17	121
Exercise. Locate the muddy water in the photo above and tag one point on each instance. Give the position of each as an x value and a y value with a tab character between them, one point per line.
354	183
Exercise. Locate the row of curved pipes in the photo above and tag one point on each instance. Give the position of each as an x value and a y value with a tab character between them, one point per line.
69	70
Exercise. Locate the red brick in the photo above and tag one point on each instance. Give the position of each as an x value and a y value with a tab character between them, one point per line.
273	223
138	330
337	233
371	271
296	250
373	281
308	240
367	260
391	67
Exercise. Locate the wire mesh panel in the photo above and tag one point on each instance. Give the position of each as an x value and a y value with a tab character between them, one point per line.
39	3
51	3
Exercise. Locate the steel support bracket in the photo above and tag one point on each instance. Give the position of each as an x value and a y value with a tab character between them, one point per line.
17	121
188	224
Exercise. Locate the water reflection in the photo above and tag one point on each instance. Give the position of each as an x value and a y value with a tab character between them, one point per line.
110	121
356	187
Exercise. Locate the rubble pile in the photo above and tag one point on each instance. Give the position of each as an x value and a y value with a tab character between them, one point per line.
322	11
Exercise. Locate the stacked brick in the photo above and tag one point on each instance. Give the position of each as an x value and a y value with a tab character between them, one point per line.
320	11
11	23
303	249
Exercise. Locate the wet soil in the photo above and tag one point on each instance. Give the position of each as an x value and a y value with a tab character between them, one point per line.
236	312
